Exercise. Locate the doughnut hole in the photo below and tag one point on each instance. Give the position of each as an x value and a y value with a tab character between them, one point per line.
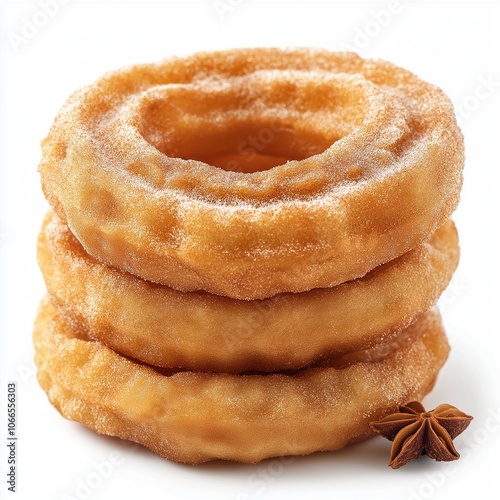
252	127
245	147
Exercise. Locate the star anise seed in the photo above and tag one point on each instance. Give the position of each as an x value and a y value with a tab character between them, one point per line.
415	431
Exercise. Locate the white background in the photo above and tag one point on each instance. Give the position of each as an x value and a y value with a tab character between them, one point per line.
454	45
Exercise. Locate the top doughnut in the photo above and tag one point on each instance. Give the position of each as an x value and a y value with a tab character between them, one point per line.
251	172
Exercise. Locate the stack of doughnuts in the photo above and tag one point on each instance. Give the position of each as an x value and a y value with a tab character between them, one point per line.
245	249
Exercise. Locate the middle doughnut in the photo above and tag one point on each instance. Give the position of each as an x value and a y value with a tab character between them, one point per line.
202	332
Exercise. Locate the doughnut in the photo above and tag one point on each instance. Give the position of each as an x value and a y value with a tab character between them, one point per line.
252	172
198	331
194	417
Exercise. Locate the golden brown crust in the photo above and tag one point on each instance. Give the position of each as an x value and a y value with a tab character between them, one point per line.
194	417
203	332
376	167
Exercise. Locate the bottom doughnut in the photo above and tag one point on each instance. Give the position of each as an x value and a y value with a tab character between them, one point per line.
194	417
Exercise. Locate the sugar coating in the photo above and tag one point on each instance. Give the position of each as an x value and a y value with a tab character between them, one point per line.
194	417
203	332
223	171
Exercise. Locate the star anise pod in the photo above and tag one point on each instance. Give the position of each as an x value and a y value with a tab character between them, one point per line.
415	431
